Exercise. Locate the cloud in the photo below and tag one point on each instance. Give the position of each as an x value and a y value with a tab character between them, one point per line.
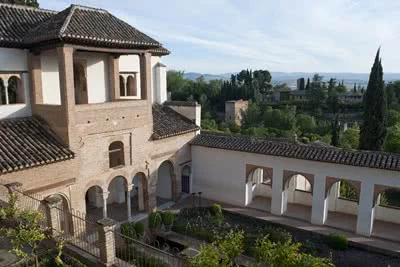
217	36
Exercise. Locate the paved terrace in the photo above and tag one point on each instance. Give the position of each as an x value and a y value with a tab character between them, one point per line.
375	243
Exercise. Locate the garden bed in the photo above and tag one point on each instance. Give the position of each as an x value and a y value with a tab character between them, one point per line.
201	224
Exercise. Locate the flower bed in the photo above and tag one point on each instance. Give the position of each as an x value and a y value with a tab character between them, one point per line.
201	223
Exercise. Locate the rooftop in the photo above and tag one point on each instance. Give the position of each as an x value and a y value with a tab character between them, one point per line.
25	143
370	159
24	27
168	123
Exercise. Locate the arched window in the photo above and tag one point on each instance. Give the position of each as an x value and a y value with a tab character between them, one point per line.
131	85
116	154
121	86
15	90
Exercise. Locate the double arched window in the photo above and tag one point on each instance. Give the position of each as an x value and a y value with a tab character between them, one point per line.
128	84
11	90
116	154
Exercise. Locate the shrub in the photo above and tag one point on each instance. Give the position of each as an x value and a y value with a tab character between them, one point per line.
338	241
308	247
128	232
231	246
139	229
168	217
216	209
277	235
154	220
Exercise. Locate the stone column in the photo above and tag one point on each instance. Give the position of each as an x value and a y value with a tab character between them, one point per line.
279	196
107	241
113	74
105	197
365	217
128	201
319	211
145	76
5	83
67	92
35	71
54	215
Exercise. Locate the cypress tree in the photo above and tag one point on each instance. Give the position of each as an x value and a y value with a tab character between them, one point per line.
374	128
308	84
336	132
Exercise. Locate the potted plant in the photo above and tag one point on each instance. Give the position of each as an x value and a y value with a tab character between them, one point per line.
168	219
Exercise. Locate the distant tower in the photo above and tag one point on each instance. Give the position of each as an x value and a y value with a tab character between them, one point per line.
233	111
300	84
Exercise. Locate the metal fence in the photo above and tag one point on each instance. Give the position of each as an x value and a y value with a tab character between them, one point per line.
131	252
74	227
76	230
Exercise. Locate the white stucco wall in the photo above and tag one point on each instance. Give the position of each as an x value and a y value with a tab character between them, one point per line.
97	76
13	59
16	61
50	78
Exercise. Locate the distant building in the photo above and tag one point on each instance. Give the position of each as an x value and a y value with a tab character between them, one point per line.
298	95
279	95
233	110
351	97
300	84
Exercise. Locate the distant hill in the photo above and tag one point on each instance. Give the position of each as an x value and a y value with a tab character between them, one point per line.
290	78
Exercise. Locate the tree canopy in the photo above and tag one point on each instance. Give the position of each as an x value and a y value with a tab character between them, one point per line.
374	127
33	3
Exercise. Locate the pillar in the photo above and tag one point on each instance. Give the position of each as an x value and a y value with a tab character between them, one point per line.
35	71
145	75
365	217
53	215
5	83
106	228
319	211
249	193
105	197
128	201
113	74
279	196
67	92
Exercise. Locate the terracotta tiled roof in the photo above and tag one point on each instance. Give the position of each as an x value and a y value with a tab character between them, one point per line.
25	27
371	159
161	51
16	21
167	123
25	143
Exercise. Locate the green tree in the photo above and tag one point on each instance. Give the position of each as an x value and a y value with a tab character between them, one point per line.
251	117
33	3
306	123
374	127
316	95
392	143
208	256
308	84
335	141
351	138
393	117
230	247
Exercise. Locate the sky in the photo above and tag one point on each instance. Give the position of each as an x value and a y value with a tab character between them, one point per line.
220	36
